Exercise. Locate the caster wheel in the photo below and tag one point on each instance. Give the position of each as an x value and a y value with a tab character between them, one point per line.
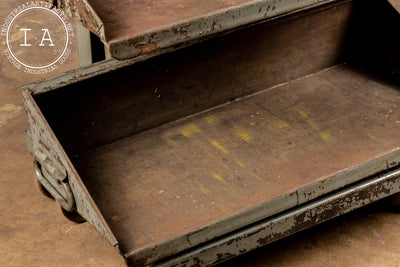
73	216
396	200
42	189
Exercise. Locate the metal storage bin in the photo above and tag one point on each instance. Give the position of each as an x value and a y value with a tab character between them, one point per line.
201	154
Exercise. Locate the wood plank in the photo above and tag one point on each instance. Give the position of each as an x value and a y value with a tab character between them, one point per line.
170	185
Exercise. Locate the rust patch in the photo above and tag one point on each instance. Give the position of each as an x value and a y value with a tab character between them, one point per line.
145	48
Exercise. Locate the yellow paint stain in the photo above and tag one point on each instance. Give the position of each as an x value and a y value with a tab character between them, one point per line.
303	113
323	134
203	189
211	119
226	167
213	157
305	116
170	142
240	164
220	179
241	132
255	175
283	124
219	146
9	111
189	130
250	172
277	126
370	136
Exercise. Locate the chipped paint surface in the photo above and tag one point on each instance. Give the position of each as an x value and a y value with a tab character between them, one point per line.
9	111
290	222
168	32
82	11
42	133
128	34
256	213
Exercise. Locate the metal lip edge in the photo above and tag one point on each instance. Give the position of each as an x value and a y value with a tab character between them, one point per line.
90	71
77	75
377	180
151	254
380	163
102	67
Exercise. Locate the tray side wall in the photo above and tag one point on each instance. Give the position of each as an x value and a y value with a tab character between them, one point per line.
133	99
40	132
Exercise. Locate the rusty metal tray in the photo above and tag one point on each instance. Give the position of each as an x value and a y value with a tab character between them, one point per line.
202	154
145	28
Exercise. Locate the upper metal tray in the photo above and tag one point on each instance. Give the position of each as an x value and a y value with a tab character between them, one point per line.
132	28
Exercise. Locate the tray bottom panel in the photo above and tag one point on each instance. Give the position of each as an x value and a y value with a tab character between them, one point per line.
178	179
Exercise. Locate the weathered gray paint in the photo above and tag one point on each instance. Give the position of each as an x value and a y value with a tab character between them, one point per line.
195	29
300	218
42	133
223	20
84	45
